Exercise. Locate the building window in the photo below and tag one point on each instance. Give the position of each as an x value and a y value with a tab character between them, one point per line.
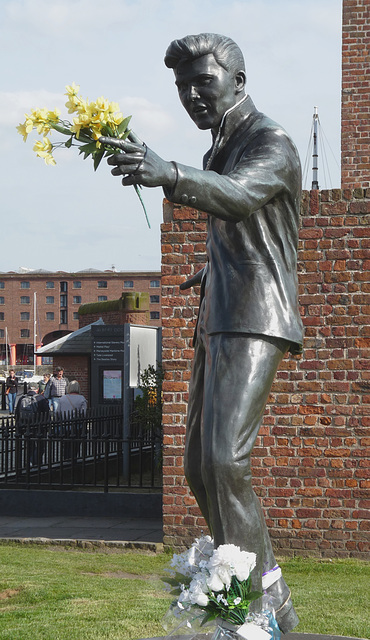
64	287
2	285
1	333
102	284
154	283
128	284
25	284
50	284
25	299
50	315
154	299
2	315
102	298
49	299
154	315
25	333
2	300
63	317
76	315
77	299
63	301
77	284
25	315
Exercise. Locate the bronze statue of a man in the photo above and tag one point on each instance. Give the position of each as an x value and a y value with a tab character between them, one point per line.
248	317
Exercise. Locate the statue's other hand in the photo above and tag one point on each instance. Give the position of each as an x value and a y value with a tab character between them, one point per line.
193	281
139	164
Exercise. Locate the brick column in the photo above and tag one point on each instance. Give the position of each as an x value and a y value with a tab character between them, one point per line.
183	254
356	94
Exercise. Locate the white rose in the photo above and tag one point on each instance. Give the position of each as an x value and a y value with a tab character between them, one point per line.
214	582
201	599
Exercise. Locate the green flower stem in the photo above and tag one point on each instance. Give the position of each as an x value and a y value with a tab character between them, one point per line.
136	187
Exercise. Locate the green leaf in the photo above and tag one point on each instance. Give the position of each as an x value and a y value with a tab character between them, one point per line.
68	143
254	595
125	135
208	617
98	156
108	131
88	148
123	126
60	129
85	135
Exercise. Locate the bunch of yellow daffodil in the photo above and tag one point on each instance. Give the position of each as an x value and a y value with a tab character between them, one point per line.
92	120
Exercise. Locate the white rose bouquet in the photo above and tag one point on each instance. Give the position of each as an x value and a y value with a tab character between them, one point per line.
215	583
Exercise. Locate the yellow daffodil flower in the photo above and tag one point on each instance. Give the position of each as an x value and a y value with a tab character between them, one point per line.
117	118
22	130
72	89
53	116
45	145
72	104
113	107
49	159
43	150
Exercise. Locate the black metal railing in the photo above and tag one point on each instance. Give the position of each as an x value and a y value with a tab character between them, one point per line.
79	451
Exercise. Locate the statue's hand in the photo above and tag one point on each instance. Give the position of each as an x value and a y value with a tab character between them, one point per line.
193	281
139	164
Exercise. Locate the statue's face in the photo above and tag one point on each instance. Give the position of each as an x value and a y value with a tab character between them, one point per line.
206	90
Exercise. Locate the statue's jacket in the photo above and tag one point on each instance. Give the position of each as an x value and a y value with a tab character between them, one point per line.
252	194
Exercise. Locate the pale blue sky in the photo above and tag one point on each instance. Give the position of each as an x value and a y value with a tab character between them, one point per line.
68	217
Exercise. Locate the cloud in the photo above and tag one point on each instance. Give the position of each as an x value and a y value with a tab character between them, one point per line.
76	17
13	105
149	119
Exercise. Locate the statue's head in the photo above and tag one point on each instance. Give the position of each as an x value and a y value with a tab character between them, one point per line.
210	76
225	51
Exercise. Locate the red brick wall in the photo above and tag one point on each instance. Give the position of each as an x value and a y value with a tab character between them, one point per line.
356	94
310	465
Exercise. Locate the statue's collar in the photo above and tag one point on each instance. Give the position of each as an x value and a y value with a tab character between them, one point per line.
231	120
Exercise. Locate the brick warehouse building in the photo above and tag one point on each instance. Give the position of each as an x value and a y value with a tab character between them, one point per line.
311	459
59	296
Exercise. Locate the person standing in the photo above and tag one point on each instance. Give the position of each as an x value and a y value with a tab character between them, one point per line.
43	382
71	407
31	417
11	390
58	387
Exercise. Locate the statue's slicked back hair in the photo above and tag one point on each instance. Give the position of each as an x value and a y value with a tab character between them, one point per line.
226	51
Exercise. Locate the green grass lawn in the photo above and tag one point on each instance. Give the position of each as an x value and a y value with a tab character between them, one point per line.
57	593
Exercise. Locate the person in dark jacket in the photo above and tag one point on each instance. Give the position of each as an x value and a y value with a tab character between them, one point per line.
11	389
250	187
31	418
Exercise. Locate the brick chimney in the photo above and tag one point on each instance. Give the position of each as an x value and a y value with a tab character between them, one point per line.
355	166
